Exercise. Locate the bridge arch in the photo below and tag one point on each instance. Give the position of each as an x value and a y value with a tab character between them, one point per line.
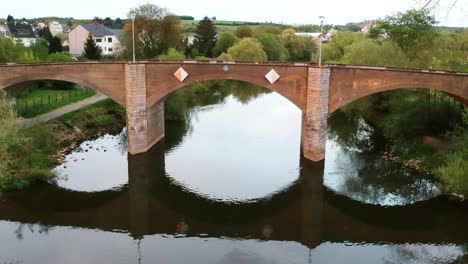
348	84
108	79
292	85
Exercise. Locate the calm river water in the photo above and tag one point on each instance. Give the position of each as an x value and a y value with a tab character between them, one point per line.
230	186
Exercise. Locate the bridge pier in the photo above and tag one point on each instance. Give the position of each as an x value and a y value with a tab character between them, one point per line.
145	124
314	117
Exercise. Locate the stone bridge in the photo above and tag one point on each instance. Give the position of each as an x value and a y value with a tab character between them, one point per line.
142	88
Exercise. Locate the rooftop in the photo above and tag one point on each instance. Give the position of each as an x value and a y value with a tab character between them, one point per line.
98	30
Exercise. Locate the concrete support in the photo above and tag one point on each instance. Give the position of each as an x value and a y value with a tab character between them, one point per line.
314	117
145	124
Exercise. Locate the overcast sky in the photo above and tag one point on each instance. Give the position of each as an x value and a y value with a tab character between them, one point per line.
288	11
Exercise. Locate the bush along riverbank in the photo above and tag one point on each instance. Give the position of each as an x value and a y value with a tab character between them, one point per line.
29	155
425	130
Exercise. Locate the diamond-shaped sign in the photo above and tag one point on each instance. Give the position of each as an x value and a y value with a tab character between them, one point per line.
181	74
272	76
226	68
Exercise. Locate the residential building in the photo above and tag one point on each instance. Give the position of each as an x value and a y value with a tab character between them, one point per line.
367	26
4	31
55	28
313	35
22	34
104	37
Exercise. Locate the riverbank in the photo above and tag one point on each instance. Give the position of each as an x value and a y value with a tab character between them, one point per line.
44	146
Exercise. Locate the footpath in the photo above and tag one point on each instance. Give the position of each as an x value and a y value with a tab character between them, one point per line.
29	122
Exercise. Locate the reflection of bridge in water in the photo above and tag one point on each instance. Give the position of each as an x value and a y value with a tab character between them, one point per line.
305	212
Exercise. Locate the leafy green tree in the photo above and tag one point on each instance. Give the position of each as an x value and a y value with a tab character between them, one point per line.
108	22
91	50
10	20
225	57
40	50
299	48
248	49
205	38
333	51
448	52
172	54
171	36
225	41
406	29
273	47
14	52
55	45
60	57
45	33
244	31
369	52
156	30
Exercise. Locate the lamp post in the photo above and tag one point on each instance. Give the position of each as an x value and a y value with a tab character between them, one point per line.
320	44
132	16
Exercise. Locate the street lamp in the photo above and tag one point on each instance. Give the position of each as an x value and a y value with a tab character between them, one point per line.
320	44
132	16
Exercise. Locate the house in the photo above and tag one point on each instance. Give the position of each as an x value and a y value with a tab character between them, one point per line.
104	37
55	28
314	35
367	26
4	31
66	29
22	34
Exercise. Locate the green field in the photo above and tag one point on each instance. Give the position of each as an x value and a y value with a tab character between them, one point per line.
39	101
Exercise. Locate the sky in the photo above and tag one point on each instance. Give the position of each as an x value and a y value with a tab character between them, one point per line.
336	12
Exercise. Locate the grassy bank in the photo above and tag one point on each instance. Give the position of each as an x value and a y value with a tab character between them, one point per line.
43	100
35	151
425	130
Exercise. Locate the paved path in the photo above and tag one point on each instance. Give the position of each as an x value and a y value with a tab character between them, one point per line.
60	111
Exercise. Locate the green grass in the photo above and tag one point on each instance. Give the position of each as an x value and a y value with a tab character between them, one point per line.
43	100
108	105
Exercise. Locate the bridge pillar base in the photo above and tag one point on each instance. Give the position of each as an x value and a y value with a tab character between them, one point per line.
314	117
145	124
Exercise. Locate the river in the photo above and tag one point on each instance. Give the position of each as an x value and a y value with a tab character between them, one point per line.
230	186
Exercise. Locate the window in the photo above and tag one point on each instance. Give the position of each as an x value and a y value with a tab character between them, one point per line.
109	40
110	49
98	40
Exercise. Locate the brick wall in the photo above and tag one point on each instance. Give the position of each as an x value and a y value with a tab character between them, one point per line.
314	118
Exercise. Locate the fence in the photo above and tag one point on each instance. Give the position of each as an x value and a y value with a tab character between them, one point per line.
42	104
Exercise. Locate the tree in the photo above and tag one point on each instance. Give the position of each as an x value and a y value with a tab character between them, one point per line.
273	47
108	22
172	54
243	31
10	20
45	34
406	29
205	37
299	48
156	30
248	49
55	45
97	20
369	52
225	41
40	50
91	49
14	52
59	57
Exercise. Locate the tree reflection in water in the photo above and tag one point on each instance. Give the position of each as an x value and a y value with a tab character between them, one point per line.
356	168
